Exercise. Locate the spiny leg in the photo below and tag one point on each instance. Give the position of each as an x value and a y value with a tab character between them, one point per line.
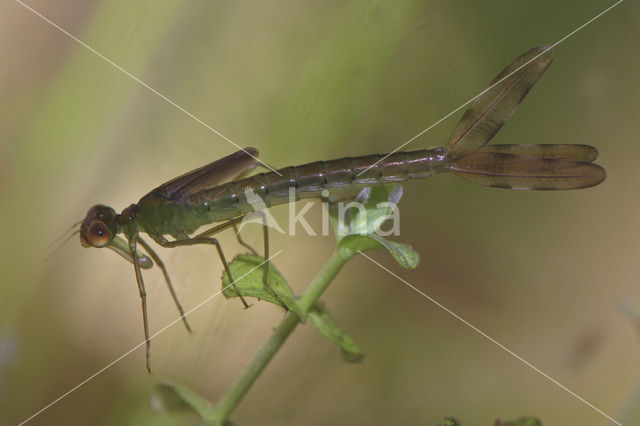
221	227
265	266
163	268
233	223
143	298
242	242
208	240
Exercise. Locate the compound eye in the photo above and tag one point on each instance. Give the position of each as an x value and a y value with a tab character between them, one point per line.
98	235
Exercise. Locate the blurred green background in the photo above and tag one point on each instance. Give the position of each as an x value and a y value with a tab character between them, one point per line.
302	81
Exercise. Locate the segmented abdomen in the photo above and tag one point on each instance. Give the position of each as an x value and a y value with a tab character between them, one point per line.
309	180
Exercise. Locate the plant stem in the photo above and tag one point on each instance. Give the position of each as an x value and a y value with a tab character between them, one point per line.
241	386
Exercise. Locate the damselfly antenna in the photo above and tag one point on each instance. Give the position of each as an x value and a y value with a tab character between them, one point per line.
71	228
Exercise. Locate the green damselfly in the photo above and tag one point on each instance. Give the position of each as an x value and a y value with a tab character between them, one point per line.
216	192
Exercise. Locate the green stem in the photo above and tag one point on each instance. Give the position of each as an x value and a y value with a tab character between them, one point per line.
241	386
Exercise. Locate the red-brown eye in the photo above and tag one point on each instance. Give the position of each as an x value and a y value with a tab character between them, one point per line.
98	235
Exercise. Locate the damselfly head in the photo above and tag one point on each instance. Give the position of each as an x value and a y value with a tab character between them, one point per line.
99	227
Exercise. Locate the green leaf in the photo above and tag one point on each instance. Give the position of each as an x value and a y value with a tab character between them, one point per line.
248	273
321	319
450	421
404	254
377	208
370	209
171	398
359	243
357	230
340	228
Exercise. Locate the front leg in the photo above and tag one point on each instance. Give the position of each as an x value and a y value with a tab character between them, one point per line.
205	240
160	264
143	297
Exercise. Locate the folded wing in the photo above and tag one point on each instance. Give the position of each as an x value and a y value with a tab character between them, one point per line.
491	110
218	172
504	170
583	153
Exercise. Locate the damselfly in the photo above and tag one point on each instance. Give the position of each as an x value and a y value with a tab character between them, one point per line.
216	192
